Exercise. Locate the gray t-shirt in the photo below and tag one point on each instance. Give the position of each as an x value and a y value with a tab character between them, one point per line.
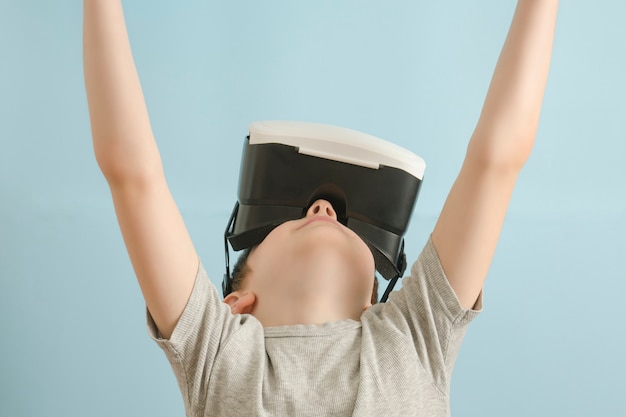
396	361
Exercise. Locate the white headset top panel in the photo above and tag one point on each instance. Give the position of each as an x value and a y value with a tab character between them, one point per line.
337	144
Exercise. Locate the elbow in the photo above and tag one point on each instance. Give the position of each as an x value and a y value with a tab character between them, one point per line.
124	169
506	151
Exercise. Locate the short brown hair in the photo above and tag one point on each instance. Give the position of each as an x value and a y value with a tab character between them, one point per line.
241	268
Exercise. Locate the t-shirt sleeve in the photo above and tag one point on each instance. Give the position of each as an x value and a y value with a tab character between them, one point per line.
205	324
427	309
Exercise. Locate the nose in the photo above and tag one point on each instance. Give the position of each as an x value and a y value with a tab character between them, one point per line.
321	208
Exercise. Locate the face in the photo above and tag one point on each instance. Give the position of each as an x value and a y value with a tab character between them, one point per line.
315	246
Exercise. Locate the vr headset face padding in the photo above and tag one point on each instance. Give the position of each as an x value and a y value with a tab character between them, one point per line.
282	174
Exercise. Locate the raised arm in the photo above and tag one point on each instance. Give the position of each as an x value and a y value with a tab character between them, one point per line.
468	228
160	249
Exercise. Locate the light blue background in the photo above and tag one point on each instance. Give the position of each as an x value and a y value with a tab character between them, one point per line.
551	340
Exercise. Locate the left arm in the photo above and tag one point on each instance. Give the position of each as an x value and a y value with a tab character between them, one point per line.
467	231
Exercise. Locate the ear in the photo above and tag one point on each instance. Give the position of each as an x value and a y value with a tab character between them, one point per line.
240	302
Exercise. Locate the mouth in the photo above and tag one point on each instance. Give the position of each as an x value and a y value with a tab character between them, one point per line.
320	219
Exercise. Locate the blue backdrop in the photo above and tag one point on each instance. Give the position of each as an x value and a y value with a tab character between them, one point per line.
71	314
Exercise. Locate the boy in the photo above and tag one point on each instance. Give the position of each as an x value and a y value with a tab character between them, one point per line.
299	335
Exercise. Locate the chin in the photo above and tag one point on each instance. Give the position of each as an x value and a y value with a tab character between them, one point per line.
336	243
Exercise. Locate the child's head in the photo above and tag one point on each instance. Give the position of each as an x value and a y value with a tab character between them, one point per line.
311	270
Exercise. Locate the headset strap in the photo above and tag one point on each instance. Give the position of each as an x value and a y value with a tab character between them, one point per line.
401	267
227	283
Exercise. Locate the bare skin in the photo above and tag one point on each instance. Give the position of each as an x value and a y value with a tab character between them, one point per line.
163	255
313	270
467	231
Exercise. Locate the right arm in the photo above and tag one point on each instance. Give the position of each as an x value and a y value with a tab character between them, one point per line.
159	246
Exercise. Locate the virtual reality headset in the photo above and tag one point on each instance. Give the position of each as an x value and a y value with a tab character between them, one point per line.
372	185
